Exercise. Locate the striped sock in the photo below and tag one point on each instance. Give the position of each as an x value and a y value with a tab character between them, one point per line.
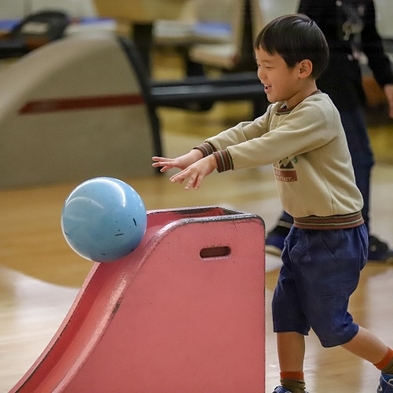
386	364
293	381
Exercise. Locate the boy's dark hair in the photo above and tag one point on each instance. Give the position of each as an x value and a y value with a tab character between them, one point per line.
295	38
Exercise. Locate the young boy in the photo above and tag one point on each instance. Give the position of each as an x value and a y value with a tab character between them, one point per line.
349	26
302	136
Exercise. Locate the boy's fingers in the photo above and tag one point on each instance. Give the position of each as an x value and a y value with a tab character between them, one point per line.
175	179
189	184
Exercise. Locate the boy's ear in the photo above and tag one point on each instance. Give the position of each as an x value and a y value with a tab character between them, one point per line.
305	68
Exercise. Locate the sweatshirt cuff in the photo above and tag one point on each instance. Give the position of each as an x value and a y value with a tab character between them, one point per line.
206	148
224	160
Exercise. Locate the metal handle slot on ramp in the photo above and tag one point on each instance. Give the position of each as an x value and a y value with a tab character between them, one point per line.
184	312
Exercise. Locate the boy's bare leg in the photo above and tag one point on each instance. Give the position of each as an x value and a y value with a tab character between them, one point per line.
291	349
367	346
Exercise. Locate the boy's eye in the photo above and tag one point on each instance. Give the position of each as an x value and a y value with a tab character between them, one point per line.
266	66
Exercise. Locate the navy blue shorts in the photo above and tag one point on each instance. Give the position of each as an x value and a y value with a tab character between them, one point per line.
320	271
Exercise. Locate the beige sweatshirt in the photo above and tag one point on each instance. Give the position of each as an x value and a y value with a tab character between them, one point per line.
308	149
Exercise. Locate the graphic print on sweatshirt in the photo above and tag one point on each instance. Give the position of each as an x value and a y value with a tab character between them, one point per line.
285	171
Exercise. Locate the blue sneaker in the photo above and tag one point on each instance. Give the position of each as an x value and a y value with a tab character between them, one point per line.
385	383
281	389
379	251
274	243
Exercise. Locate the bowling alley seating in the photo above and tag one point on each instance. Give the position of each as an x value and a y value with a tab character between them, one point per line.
191	93
237	53
198	93
218	30
32	32
249	17
199	21
202	24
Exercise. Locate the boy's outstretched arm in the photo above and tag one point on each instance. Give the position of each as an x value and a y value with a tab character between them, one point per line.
193	166
180	162
196	172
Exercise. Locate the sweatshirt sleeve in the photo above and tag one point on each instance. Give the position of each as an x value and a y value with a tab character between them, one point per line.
303	129
242	132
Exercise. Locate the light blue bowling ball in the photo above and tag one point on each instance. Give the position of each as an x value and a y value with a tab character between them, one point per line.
103	219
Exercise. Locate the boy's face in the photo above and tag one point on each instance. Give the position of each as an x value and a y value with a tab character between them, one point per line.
281	82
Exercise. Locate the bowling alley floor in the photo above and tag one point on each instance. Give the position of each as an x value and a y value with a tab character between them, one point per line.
40	275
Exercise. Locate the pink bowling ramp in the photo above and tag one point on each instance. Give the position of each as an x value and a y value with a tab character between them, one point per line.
183	313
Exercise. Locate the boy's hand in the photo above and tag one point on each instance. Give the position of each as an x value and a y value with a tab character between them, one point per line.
181	162
196	172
